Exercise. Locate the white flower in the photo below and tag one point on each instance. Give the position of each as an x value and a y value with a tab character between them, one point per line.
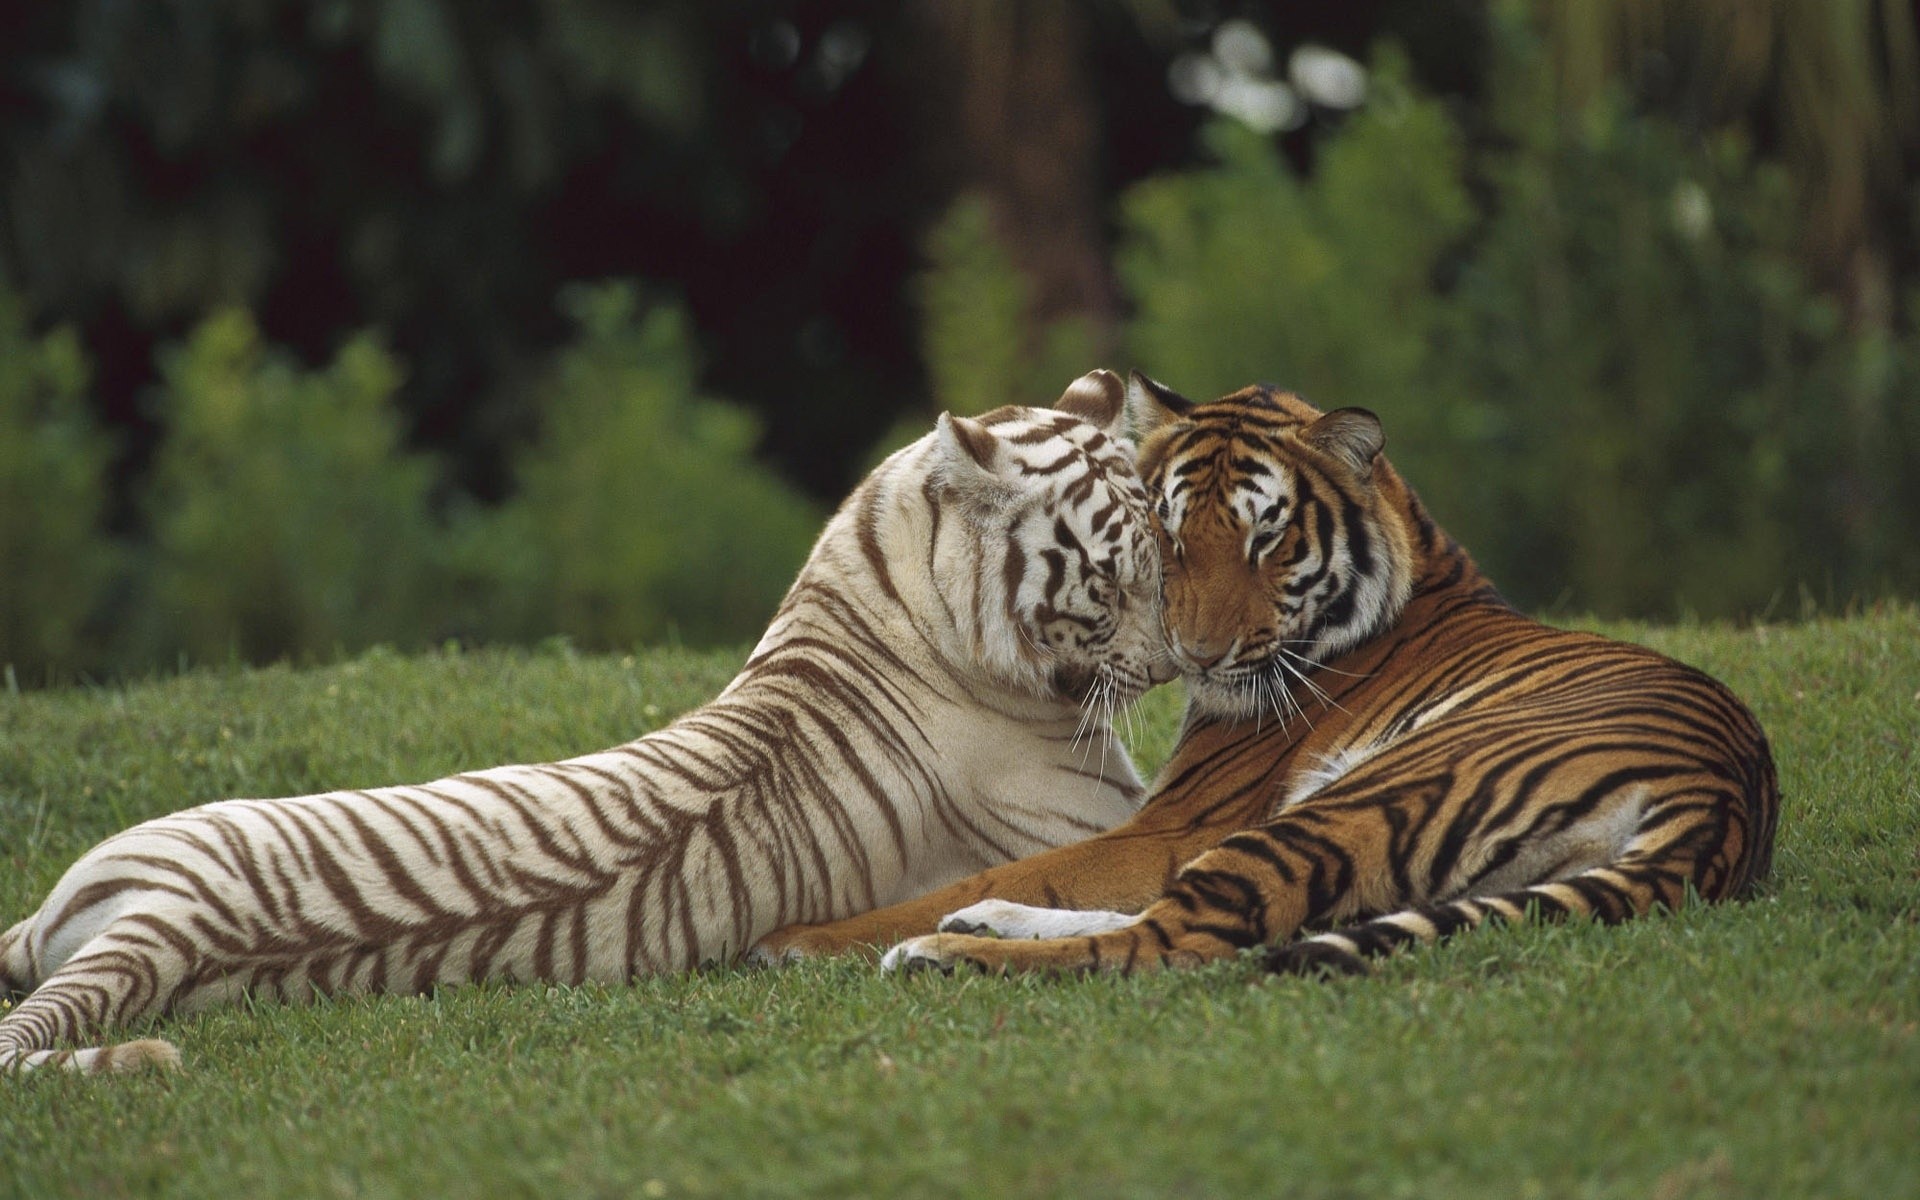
1328	77
1692	210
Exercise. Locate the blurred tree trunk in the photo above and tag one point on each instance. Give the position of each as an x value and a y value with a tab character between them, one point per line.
1007	110
1837	82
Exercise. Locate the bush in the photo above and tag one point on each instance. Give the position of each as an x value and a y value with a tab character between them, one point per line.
1611	379
1676	413
1243	272
285	518
55	561
982	346
981	343
641	513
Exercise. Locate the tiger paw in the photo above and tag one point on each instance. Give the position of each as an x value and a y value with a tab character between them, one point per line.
917	954
793	944
1005	919
146	1054
1315	956
943	952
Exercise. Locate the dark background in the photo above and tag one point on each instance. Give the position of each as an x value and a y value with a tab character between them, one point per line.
438	173
773	164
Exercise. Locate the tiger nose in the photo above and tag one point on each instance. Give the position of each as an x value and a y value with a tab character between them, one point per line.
1203	653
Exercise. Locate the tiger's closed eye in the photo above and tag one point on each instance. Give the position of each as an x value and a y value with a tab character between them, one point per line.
1262	541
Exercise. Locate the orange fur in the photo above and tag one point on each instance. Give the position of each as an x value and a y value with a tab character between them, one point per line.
1435	759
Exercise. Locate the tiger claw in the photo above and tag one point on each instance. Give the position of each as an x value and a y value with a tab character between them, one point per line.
957	924
1313	957
915	956
761	956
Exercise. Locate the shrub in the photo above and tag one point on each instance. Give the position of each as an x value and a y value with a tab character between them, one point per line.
1242	271
982	346
1679	419
979	339
286	520
55	561
1610	378
641	513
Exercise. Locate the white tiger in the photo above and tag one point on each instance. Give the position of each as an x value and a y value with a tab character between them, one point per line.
932	698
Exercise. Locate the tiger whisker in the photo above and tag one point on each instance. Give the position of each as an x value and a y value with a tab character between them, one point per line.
1315	663
1326	700
1283	704
1293	701
1103	708
1106	711
1280	686
1264	697
1085	727
1096	715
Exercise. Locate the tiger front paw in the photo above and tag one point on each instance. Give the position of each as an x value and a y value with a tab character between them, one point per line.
1323	956
931	952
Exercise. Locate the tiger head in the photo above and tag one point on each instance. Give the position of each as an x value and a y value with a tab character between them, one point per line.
1052	570
1283	537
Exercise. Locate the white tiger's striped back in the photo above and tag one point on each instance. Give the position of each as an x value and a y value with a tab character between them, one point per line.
910	717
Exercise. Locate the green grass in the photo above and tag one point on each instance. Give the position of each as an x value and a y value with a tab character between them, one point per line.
1764	1049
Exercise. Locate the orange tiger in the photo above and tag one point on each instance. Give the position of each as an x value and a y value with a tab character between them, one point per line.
1376	745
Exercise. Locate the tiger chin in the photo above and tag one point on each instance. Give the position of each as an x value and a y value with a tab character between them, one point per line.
1378	751
932	697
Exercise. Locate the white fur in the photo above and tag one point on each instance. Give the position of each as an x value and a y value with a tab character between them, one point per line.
896	728
1331	769
913	951
1596	840
1005	919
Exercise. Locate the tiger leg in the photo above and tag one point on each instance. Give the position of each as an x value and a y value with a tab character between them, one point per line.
1125	869
1255	887
1008	919
17	975
1685	851
121	975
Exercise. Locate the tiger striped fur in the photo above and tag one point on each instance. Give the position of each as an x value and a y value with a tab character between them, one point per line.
932	697
1376	746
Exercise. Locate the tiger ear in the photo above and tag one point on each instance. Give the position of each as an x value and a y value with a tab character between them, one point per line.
971	455
1099	397
1352	435
1152	404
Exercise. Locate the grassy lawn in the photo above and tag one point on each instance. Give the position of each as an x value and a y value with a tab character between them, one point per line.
1765	1049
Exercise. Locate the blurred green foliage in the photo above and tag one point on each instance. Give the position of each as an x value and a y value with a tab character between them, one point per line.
55	564
1589	327
640	513
1674	411
1610	377
284	517
1242	271
981	346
